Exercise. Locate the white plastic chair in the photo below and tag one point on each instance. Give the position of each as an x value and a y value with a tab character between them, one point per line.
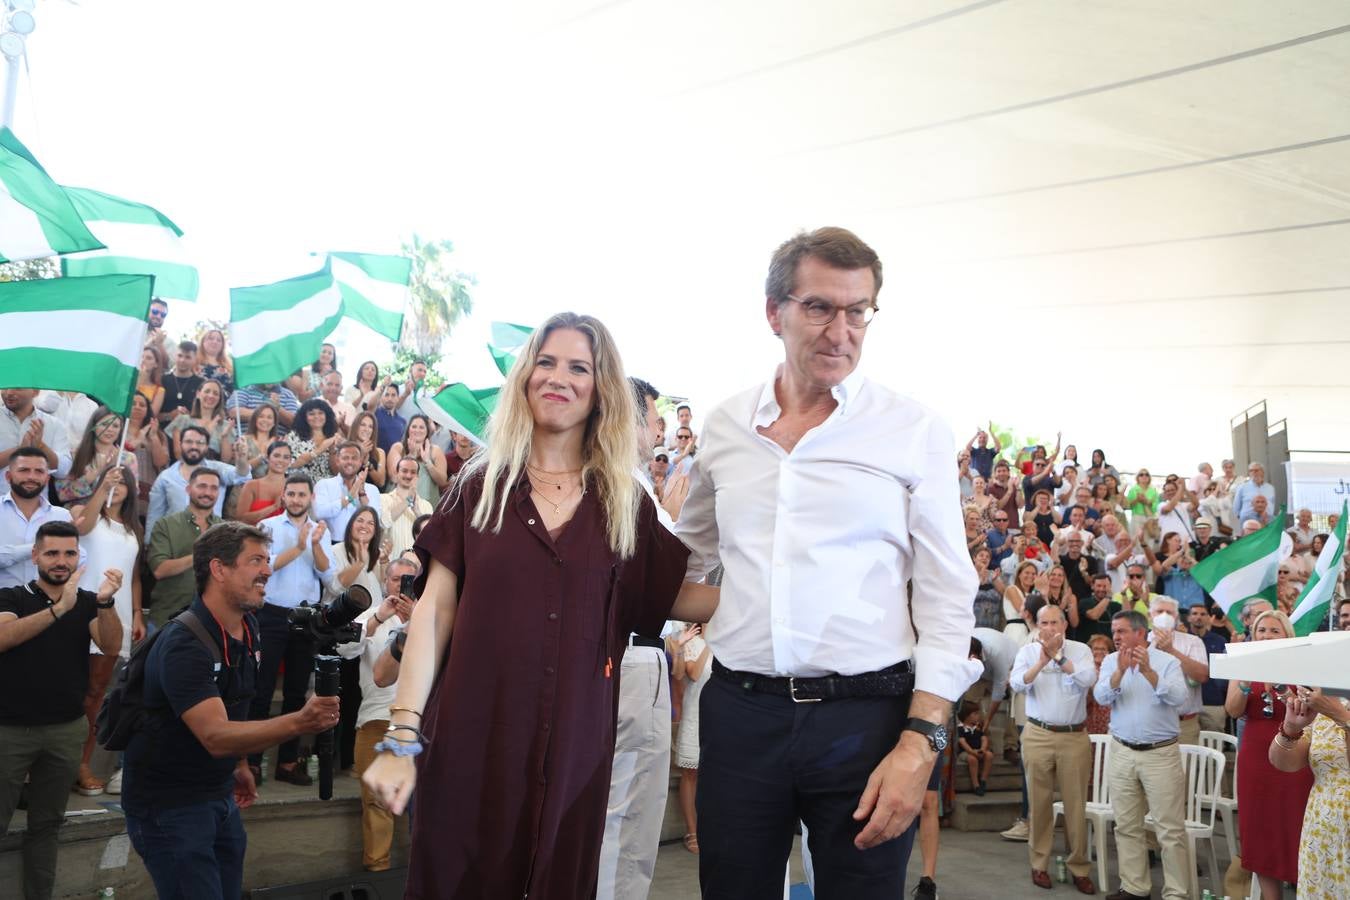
1202	769
1098	806
1226	805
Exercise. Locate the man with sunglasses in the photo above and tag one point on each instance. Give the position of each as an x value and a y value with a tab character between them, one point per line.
825	485
1136	595
999	540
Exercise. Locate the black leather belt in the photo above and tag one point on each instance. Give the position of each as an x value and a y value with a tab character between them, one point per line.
893	681
1167	743
638	640
1057	729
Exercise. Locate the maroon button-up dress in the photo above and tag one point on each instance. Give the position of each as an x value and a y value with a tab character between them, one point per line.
512	789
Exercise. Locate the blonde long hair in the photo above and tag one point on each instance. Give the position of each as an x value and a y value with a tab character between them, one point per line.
609	447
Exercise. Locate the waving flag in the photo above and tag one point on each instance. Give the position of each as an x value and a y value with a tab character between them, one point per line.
277	329
1314	604
140	241
37	219
462	409
1246	568
75	334
507	342
374	289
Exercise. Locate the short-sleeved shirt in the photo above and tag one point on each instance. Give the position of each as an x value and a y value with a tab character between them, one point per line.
166	766
982	461
389	428
1214	691
1087	627
173	538
45	678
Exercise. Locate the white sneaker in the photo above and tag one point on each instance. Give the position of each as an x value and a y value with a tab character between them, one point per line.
114	785
1020	831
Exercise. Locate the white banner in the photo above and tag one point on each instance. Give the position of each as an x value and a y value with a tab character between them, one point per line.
1318	486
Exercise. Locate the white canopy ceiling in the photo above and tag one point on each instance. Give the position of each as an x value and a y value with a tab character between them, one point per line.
1126	219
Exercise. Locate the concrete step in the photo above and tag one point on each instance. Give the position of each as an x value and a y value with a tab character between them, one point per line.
995	811
1004	781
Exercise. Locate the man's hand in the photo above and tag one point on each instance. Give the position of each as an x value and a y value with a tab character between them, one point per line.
302	534
316	536
68	593
675	493
1163	639
245	788
404	608
894	792
318	714
1141	660
112	582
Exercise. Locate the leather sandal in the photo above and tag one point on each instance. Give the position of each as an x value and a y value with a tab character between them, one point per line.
87	785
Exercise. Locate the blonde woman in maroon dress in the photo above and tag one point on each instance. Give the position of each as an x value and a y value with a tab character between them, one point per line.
541	560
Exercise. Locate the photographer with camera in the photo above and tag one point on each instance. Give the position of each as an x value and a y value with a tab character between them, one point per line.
301	569
185	781
378	626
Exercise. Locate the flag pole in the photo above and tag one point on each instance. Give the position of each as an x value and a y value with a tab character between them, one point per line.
11	90
121	448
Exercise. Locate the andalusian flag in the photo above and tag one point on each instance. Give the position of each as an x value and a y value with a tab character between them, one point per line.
1314	604
75	334
37	219
461	409
278	329
1246	568
374	289
140	241
507	342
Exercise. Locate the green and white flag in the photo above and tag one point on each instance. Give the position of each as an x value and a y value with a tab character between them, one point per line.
507	342
140	241
461	409
1314	604
37	219
277	329
75	334
374	289
1246	568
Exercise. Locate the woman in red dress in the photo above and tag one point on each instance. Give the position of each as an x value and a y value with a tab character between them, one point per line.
541	561
1271	801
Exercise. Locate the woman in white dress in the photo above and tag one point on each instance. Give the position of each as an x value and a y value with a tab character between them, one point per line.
691	670
110	535
360	559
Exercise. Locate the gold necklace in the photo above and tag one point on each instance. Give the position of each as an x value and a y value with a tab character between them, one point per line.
557	484
557	507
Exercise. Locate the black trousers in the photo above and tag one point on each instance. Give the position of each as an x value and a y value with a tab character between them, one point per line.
766	762
298	654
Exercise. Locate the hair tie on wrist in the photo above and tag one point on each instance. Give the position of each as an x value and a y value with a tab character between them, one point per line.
399	748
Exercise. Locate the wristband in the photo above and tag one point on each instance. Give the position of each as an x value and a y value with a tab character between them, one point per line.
52	610
399	748
1245	689
109	605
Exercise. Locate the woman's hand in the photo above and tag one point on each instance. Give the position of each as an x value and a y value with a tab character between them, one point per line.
391	779
1299	711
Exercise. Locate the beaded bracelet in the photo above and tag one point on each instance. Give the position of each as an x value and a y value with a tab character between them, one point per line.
399	748
417	731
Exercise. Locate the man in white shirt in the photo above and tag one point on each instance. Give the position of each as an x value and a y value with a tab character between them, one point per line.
22	511
379	624
331	388
1116	549
1189	651
827	494
71	408
22	424
1056	675
338	498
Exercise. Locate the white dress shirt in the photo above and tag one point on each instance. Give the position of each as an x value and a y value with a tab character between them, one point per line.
328	506
300	581
375	701
1193	647
1000	652
17	534
819	544
1054	696
54	436
72	409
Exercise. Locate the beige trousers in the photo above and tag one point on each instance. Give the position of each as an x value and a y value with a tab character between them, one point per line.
1149	781
1190	731
1064	760
377	823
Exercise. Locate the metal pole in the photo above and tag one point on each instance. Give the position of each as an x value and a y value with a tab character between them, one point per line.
11	90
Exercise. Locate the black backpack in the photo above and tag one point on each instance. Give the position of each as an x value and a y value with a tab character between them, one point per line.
124	711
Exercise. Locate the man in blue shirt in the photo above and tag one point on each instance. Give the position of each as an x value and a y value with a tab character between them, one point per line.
301	569
981	454
388	423
185	781
1255	486
999	539
169	492
1145	689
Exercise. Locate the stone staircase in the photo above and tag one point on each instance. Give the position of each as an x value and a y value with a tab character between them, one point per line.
997	809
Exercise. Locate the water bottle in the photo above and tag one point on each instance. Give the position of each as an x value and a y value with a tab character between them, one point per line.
107	893
1061	870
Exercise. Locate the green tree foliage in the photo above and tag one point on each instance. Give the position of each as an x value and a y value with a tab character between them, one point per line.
397	370
30	269
440	295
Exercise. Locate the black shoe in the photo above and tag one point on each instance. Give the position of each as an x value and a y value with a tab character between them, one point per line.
980	789
1123	894
926	889
296	776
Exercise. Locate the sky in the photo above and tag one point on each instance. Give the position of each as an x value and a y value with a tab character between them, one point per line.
640	161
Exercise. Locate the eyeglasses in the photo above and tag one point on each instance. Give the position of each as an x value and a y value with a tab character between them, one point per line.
682	437
1000	518
1139	575
821	312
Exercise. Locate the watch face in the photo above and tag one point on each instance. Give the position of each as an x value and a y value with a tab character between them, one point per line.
939	738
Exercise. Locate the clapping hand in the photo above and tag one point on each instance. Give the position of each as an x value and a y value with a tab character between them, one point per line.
1300	710
1141	660
316	536
112	582
303	532
1163	639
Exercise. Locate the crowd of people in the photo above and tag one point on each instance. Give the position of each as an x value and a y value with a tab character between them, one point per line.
576	557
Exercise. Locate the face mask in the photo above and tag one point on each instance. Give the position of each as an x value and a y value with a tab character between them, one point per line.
1164	622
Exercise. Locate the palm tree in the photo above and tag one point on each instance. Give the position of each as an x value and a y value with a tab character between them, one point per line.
440	294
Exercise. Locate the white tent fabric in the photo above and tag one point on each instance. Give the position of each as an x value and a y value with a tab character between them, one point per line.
1128	220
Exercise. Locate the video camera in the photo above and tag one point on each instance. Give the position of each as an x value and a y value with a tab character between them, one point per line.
330	624
324	626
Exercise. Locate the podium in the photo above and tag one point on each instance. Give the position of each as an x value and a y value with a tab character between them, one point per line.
1318	660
